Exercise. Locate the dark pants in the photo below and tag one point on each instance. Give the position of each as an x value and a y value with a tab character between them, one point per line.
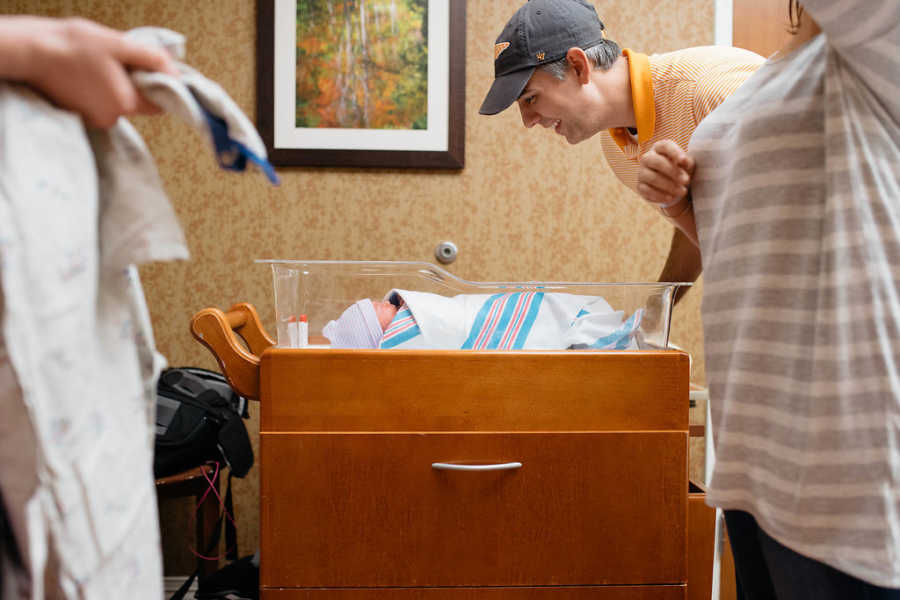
766	570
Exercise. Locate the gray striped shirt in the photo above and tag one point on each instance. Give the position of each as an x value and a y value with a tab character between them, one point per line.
797	205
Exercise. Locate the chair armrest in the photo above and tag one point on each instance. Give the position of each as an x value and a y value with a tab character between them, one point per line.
218	330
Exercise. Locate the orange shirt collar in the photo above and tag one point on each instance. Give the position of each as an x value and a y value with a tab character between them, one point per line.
641	98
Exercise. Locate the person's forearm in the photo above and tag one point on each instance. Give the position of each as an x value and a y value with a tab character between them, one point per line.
681	215
685	222
683	262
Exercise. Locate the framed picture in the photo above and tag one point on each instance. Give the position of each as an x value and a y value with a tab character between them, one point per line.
362	83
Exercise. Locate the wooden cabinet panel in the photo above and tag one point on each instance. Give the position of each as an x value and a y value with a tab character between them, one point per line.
378	390
642	592
368	510
761	25
701	544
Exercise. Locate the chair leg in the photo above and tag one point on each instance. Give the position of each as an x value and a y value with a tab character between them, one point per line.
207	518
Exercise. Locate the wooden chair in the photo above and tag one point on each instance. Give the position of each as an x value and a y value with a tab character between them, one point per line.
194	483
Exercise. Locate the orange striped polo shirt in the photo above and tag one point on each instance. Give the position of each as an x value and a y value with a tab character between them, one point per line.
672	93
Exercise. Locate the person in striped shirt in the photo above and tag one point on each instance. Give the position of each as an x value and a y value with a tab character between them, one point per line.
791	188
553	58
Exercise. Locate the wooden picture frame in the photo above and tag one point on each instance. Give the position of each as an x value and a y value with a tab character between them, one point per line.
440	145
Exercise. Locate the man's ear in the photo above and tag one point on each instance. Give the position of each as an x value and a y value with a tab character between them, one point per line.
580	64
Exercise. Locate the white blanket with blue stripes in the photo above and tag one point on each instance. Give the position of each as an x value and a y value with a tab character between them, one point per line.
510	321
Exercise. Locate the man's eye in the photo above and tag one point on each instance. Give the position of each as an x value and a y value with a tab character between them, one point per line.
530	99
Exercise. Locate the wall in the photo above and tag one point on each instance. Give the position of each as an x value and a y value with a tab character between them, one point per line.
526	207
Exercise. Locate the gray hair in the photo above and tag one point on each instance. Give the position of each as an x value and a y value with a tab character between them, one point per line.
602	56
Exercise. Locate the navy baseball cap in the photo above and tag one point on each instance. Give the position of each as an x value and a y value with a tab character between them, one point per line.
540	32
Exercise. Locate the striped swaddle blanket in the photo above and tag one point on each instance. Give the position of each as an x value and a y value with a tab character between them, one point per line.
509	321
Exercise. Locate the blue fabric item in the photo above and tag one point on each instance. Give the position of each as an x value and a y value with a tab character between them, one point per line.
402	337
530	318
580	314
479	321
618	339
501	327
231	154
402	329
500	331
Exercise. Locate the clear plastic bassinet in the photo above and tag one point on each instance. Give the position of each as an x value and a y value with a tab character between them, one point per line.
320	290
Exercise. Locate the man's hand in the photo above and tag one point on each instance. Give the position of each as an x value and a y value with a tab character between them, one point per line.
79	65
665	175
664	180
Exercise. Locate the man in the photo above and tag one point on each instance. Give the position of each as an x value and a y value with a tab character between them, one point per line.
554	60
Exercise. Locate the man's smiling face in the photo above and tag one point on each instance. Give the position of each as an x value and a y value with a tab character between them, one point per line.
556	103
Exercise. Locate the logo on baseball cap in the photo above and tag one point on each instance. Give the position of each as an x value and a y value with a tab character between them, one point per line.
540	32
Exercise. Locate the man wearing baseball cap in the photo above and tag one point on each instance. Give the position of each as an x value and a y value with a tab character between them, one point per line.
554	59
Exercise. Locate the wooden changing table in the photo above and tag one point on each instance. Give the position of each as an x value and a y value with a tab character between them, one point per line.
368	491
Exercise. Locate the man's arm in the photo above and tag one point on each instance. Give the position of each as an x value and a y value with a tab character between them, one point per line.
79	65
683	262
664	181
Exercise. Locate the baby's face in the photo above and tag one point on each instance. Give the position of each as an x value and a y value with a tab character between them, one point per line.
385	311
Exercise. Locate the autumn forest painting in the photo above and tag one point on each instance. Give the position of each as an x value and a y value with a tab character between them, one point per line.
362	64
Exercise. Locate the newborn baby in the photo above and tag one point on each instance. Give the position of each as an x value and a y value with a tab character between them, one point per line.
362	325
508	321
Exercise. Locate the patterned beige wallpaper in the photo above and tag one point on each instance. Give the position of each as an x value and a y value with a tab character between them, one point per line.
526	207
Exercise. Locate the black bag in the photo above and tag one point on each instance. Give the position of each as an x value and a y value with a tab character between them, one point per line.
238	580
199	418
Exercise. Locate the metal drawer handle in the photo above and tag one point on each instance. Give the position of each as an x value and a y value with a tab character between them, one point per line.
441	466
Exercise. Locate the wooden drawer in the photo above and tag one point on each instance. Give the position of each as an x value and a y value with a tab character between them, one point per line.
460	390
637	592
357	510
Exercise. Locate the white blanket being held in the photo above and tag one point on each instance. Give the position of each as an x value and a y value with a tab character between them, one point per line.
79	210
